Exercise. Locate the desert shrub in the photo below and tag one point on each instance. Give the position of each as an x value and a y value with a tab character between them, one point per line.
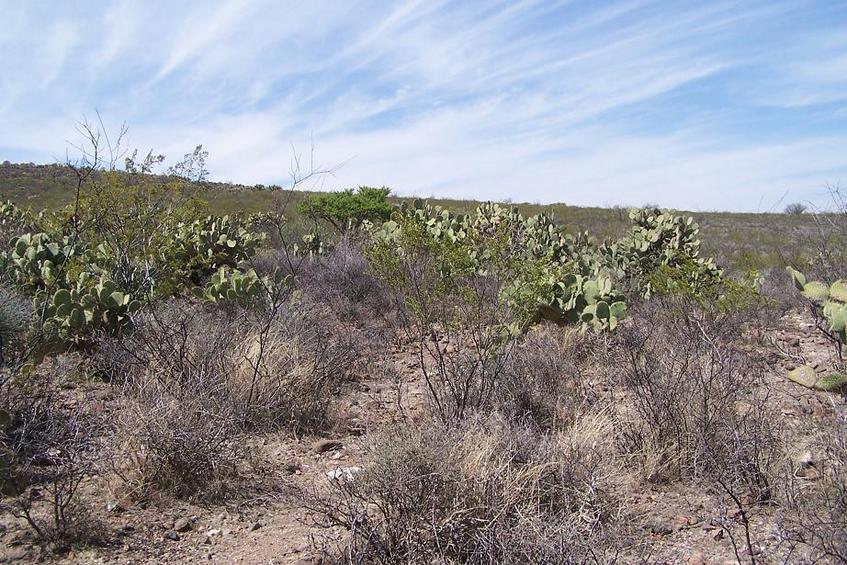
779	292
15	317
487	491
182	440
276	369
347	209
543	383
816	496
462	331
453	307
176	426
289	370
796	208
343	280
752	301
824	246
699	413
47	450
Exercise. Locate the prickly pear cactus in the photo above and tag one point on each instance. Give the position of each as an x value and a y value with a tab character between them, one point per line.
203	246
555	275
35	260
11	215
73	315
592	302
830	301
233	285
313	245
659	238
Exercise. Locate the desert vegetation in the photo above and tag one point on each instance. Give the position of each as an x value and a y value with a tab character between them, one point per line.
346	378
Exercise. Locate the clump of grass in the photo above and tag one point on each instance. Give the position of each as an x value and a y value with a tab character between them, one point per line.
487	491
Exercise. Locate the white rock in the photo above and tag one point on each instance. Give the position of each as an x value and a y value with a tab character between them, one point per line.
344	474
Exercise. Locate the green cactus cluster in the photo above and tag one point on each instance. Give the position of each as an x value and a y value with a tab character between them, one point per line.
577	299
555	275
605	306
658	238
91	305
10	214
567	276
35	260
203	246
80	288
313	244
232	285
830	299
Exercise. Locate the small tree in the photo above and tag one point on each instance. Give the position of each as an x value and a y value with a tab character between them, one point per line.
796	208
348	209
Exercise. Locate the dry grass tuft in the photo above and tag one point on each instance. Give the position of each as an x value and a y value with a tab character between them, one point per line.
487	491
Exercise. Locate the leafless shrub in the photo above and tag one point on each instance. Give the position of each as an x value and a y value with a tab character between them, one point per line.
342	279
274	371
815	521
781	295
46	452
462	347
180	440
698	412
485	491
287	373
171	343
796	208
827	241
15	312
542	382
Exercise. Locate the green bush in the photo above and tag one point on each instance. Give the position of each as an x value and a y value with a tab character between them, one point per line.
828	305
129	239
547	273
347	209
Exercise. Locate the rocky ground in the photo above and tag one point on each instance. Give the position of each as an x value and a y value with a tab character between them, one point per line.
683	523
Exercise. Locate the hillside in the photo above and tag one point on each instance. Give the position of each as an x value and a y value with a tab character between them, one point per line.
741	240
457	384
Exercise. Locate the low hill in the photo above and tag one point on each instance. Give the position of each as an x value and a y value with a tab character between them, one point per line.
741	240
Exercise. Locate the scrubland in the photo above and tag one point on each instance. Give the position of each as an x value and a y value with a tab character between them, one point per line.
348	378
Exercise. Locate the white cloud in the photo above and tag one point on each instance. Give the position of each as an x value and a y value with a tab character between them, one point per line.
531	100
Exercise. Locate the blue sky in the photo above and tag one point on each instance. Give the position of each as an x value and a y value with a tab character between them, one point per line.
697	105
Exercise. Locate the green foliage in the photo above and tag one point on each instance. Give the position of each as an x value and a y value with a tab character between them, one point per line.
830	302
197	249
131	238
35	261
412	258
229	284
544	272
549	273
659	239
348	209
12	218
91	305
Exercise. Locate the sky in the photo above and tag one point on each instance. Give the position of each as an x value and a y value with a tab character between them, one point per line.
707	105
